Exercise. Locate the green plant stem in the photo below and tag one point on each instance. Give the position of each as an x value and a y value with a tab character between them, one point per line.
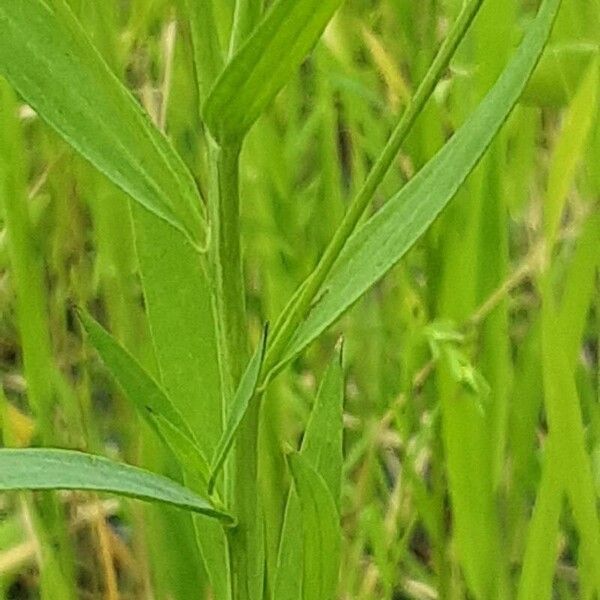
245	540
301	302
226	264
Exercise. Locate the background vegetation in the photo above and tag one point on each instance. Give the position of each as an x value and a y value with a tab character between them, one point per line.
472	383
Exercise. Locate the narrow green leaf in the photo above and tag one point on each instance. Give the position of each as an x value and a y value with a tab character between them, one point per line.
151	401
567	466
263	65
569	150
320	529
26	267
566	429
542	535
322	442
51	469
379	244
243	396
190	458
139	386
47	57
177	297
322	448
208	56
246	15
579	287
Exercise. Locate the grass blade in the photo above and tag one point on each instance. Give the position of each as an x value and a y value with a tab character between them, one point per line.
566	466
140	386
42	376
322	442
565	63
379	244
542	536
47	57
579	289
569	150
41	469
321	530
264	64
573	463
243	396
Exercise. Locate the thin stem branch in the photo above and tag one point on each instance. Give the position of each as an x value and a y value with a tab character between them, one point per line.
226	261
301	302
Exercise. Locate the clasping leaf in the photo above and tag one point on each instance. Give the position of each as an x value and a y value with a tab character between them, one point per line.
263	65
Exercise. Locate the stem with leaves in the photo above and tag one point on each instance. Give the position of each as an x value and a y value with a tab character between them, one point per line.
245	540
301	302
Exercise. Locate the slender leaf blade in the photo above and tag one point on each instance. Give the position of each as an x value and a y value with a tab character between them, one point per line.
323	441
541	551
151	401
381	242
263	65
567	429
320	529
177	297
322	448
569	150
565	63
47	57
51	469
208	55
243	396
139	386
191	459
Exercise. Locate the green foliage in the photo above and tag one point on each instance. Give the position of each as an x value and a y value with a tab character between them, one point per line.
322	451
46	55
320	528
429	165
245	393
381	242
150	400
43	469
263	64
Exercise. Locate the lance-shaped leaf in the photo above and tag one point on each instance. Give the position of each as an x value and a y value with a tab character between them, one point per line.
320	530
381	242
322	448
208	56
263	65
151	401
51	469
243	396
47	57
